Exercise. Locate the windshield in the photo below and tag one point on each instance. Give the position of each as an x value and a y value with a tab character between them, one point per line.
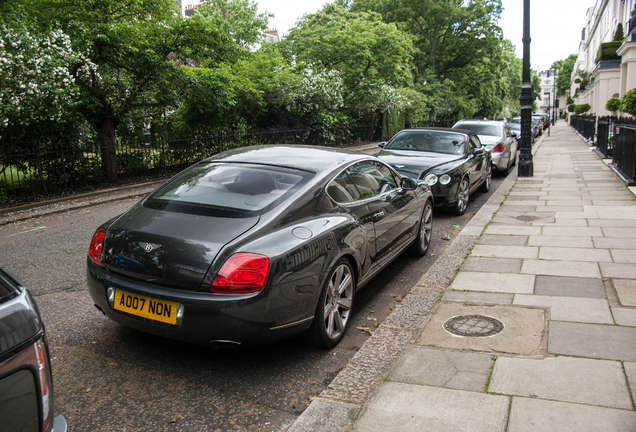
234	187
428	141
481	129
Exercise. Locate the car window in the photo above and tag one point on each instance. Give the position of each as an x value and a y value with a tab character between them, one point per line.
474	143
228	186
481	129
342	189
372	178
428	141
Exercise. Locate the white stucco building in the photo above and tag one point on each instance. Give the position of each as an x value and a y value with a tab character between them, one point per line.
601	78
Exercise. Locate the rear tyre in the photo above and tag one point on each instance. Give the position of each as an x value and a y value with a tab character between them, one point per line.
334	306
463	195
485	186
423	240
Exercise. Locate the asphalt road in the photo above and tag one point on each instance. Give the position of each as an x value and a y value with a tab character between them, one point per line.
111	378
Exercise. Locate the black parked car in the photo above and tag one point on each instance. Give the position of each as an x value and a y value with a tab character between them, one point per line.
452	162
257	244
26	385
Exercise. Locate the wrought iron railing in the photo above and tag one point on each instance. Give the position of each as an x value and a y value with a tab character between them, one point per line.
585	125
32	172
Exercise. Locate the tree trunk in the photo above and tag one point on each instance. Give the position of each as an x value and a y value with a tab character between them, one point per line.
109	160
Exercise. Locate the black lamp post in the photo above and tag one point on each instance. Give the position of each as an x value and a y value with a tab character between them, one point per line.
526	166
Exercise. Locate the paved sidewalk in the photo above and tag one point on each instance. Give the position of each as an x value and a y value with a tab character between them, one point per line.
543	310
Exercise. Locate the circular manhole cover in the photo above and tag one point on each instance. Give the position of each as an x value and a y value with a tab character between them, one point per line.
527	218
473	326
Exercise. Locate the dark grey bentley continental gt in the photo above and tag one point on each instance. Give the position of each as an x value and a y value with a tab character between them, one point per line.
256	245
453	162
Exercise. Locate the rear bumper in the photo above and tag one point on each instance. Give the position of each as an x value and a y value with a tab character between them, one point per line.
208	319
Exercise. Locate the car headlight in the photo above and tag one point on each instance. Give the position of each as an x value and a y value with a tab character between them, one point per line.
445	179
430	179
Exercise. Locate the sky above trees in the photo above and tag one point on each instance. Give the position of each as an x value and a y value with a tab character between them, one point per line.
555	25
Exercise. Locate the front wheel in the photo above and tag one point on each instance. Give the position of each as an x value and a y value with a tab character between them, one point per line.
423	240
463	195
334	306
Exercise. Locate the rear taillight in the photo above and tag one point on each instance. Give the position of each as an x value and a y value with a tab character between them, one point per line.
498	148
95	250
242	273
44	374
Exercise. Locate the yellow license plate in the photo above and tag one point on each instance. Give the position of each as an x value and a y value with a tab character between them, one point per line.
147	307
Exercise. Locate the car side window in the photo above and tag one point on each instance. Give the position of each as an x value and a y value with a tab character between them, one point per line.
474	143
372	178
342	189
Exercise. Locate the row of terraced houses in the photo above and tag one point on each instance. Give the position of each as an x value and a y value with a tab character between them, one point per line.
604	69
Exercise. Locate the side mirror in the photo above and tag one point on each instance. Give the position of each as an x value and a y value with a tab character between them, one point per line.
408	183
382	144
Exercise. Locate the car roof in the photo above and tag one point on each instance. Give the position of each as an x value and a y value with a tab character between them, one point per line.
308	158
490	122
443	129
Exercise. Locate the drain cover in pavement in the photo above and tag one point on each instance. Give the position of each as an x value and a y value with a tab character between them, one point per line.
527	218
473	326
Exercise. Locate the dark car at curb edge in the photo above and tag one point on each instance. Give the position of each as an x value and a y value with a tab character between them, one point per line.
26	384
453	162
257	244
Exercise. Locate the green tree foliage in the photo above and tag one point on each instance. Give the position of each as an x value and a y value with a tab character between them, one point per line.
565	68
238	18
613	105
458	43
582	109
629	102
571	107
367	53
140	49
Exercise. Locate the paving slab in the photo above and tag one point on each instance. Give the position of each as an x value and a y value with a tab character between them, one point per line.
571	242
556	201
562	208
572	231
576	309
493	282
615	203
619	232
624	256
476	297
626	291
513	230
562	222
562	268
613	223
618	270
404	407
592	340
566	379
523	332
575	254
495	251
502	265
619	212
569	214
570	287
439	368
535	415
614	243
624	316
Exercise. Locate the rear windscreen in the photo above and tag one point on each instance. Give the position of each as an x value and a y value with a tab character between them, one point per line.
237	187
481	129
